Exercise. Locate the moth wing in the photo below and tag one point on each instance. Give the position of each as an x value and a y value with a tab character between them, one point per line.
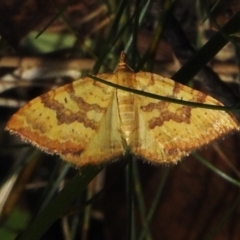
165	131
77	121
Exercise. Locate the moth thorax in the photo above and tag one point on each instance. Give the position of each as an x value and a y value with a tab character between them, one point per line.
126	111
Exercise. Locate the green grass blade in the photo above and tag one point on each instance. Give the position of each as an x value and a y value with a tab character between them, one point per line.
140	201
208	51
167	99
216	170
60	203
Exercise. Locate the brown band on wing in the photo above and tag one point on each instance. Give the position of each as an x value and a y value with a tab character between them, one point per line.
66	116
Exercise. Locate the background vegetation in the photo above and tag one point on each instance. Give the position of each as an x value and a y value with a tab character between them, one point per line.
45	44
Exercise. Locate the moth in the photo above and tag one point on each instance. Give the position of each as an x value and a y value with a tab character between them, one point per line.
88	122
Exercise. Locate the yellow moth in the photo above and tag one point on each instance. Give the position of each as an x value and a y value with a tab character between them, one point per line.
88	122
